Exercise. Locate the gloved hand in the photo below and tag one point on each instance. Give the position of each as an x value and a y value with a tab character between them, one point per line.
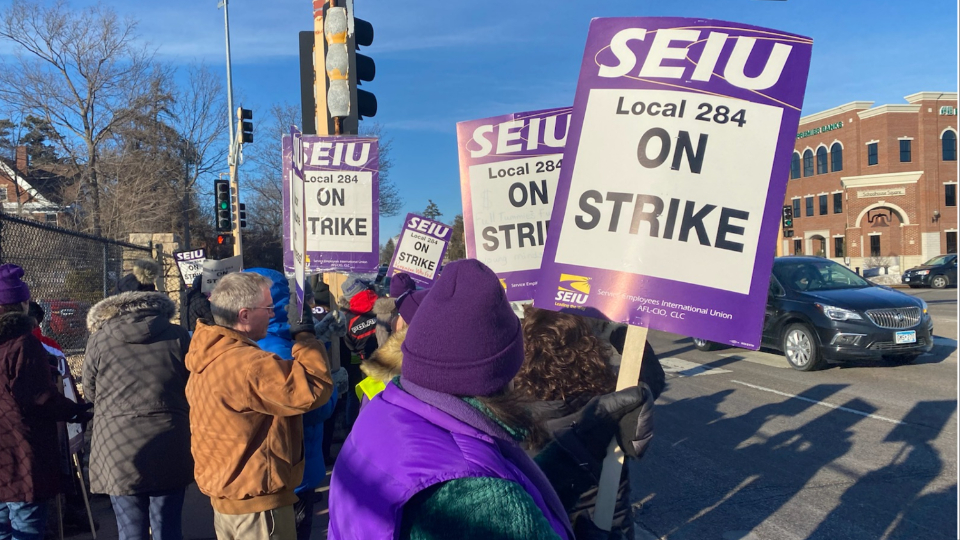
300	320
591	428
84	414
636	427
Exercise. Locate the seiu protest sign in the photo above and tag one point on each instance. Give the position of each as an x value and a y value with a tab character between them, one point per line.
509	168
341	202
420	249
669	199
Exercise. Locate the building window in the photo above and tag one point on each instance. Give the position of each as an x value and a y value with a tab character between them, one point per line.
808	163
875	245
823	205
50	218
838	203
872	157
822	160
797	246
838	247
949	146
3	194
950	194
905	150
796	208
836	157
809	206
951	241
795	166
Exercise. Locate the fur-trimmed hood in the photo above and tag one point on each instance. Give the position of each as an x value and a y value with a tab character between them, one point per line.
385	363
139	311
14	325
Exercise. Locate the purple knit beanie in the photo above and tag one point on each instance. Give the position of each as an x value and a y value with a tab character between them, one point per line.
12	288
465	339
400	284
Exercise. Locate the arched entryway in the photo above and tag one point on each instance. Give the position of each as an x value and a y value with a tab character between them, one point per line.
882	231
818	246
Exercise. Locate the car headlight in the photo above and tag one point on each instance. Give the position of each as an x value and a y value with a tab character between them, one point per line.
922	272
839	314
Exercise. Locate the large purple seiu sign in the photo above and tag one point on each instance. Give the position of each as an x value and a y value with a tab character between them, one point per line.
668	205
509	168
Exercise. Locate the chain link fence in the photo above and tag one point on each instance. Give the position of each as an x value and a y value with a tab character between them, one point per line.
68	272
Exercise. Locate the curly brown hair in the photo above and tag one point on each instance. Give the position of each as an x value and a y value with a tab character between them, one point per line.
563	359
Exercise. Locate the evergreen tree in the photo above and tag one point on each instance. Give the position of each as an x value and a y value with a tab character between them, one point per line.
432	211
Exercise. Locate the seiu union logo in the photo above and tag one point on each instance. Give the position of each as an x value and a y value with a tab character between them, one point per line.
573	289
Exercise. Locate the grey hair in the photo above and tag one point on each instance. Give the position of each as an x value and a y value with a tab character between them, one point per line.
234	292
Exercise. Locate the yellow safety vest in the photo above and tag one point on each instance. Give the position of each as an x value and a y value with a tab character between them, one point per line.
370	387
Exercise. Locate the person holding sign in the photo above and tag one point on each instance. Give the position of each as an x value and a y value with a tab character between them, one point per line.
438	454
245	408
566	365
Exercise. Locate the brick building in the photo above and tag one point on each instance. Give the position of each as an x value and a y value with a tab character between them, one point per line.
41	193
871	185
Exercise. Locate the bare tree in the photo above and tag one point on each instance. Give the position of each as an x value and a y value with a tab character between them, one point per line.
80	70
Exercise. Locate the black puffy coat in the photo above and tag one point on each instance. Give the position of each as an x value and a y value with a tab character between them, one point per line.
198	305
134	373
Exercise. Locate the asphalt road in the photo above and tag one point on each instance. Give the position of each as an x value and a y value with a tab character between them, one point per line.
747	448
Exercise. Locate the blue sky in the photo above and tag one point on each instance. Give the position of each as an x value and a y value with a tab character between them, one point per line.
440	62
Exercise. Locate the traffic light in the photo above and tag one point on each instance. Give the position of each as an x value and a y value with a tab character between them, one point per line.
246	128
221	193
224	239
243	216
337	62
787	217
345	68
365	69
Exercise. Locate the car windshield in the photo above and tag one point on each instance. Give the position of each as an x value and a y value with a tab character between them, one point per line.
937	261
817	276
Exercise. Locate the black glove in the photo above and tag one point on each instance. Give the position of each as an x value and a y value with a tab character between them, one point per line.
84	414
295	317
636	427
592	427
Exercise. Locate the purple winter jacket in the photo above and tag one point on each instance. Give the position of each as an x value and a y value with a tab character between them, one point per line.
376	474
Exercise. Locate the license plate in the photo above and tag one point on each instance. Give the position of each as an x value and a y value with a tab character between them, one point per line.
906	279
908	336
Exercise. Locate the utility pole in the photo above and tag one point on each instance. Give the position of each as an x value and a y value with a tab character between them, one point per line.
232	157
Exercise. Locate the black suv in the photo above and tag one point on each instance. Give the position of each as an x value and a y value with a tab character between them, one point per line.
938	272
818	310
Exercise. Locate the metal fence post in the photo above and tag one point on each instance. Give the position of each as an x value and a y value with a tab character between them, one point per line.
106	254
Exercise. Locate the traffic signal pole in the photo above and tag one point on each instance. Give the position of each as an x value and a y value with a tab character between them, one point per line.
235	204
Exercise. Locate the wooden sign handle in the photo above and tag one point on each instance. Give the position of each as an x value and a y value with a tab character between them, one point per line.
630	363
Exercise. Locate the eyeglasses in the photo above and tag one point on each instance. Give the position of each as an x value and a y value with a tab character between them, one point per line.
257	307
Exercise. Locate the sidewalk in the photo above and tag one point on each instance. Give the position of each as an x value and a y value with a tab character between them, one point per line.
197	516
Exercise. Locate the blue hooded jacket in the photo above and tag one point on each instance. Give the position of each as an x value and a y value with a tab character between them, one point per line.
280	342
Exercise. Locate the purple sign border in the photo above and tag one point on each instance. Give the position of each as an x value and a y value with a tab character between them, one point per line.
747	311
520	285
421	281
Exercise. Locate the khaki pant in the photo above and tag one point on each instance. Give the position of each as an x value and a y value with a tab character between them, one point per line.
277	524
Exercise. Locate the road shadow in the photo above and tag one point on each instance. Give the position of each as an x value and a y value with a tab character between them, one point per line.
712	473
891	495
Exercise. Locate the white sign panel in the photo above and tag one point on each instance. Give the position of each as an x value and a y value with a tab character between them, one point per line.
214	270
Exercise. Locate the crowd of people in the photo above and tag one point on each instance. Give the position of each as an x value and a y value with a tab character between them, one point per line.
462	420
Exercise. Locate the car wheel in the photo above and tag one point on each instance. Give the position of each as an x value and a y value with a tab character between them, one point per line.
939	282
800	347
704	345
901	359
